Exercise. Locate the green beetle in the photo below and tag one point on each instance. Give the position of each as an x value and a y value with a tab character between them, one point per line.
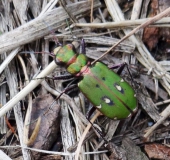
105	89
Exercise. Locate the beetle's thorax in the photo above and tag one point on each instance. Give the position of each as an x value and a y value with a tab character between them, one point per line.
76	67
72	61
84	70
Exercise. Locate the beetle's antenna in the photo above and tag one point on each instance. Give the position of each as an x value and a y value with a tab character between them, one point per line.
74	37
98	131
55	39
71	16
32	52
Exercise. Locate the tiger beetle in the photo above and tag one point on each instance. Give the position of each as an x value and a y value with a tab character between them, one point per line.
105	89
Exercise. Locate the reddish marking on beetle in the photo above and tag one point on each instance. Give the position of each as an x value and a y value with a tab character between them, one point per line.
72	60
85	70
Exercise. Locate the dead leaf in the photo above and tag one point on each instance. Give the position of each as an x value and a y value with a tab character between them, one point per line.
151	37
49	125
157	151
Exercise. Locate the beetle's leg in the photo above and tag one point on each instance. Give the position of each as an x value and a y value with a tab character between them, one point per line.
62	77
133	83
67	89
90	112
70	87
120	66
88	115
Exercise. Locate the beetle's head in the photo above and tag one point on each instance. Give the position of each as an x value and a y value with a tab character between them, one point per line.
65	54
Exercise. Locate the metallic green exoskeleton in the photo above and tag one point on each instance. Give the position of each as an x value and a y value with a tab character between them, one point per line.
105	89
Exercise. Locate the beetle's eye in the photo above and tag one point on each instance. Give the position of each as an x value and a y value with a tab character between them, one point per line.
56	50
70	46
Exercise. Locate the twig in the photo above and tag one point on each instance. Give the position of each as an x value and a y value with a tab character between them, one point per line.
143	25
84	134
8	59
34	133
164	22
28	88
36	28
91	12
165	114
163	102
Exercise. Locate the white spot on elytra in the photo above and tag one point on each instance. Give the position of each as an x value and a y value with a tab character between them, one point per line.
129	115
99	106
134	95
107	100
122	80
135	109
115	118
118	87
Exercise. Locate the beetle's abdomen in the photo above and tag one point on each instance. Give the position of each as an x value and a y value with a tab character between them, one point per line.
108	92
